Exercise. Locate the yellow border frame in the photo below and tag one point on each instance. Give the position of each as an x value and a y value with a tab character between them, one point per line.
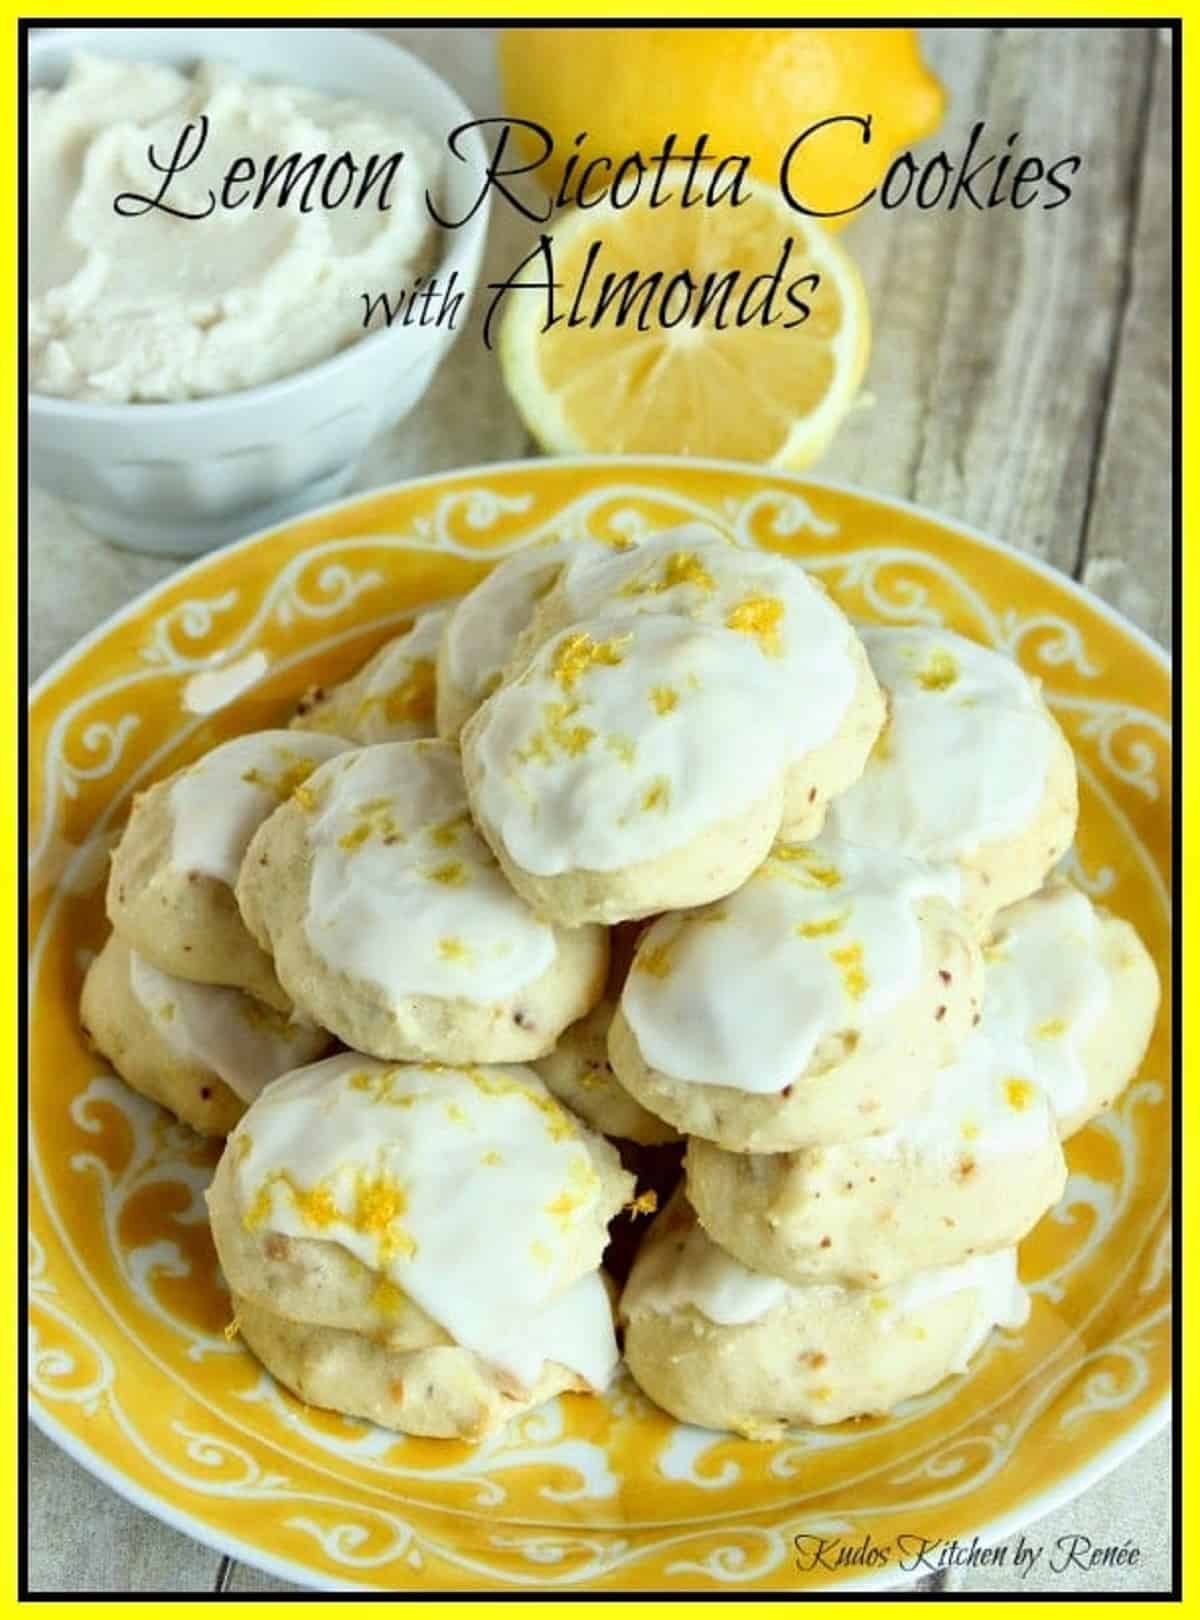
299	10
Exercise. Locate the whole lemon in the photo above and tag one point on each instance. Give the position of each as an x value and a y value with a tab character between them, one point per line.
752	90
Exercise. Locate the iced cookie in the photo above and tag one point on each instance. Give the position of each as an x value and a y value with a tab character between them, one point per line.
170	889
727	1348
1082	992
201	1050
970	1173
829	697
437	1389
579	1074
420	1209
479	635
578	1071
971	772
635	766
391	698
813	1006
391	924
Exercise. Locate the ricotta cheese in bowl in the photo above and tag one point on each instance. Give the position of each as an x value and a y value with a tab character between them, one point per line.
145	416
197	233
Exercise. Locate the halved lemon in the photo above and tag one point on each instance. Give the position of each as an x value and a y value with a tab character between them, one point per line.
701	362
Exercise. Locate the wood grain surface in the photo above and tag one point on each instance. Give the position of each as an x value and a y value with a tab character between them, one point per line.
1020	380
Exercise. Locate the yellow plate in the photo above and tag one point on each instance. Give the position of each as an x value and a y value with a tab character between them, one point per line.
129	1366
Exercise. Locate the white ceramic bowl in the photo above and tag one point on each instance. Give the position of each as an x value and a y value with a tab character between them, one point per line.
181	478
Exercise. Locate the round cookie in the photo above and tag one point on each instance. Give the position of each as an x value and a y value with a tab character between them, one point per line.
170	887
813	1006
579	1074
391	925
479	635
636	765
833	707
391	698
204	1052
439	1390
970	1173
727	1348
201	1050
422	1206
972	771
1080	990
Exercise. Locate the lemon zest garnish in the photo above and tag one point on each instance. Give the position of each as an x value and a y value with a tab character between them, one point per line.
1051	1030
379	1204
644	1204
680	568
759	616
451	874
664	699
822	925
556	733
1019	1093
850	960
412	701
295	771
452	949
821	873
578	652
658	795
940	672
445	834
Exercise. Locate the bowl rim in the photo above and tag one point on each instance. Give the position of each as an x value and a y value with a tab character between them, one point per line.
464	255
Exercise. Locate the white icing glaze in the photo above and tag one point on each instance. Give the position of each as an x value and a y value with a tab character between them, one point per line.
1000	1300
985	1104
823	937
244	1043
963	758
482	629
669	1277
1048	987
695	572
404	893
459	1186
393	695
601	754
212	689
219	803
997	1098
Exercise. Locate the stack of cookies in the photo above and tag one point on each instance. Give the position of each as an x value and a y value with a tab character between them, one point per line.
689	859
